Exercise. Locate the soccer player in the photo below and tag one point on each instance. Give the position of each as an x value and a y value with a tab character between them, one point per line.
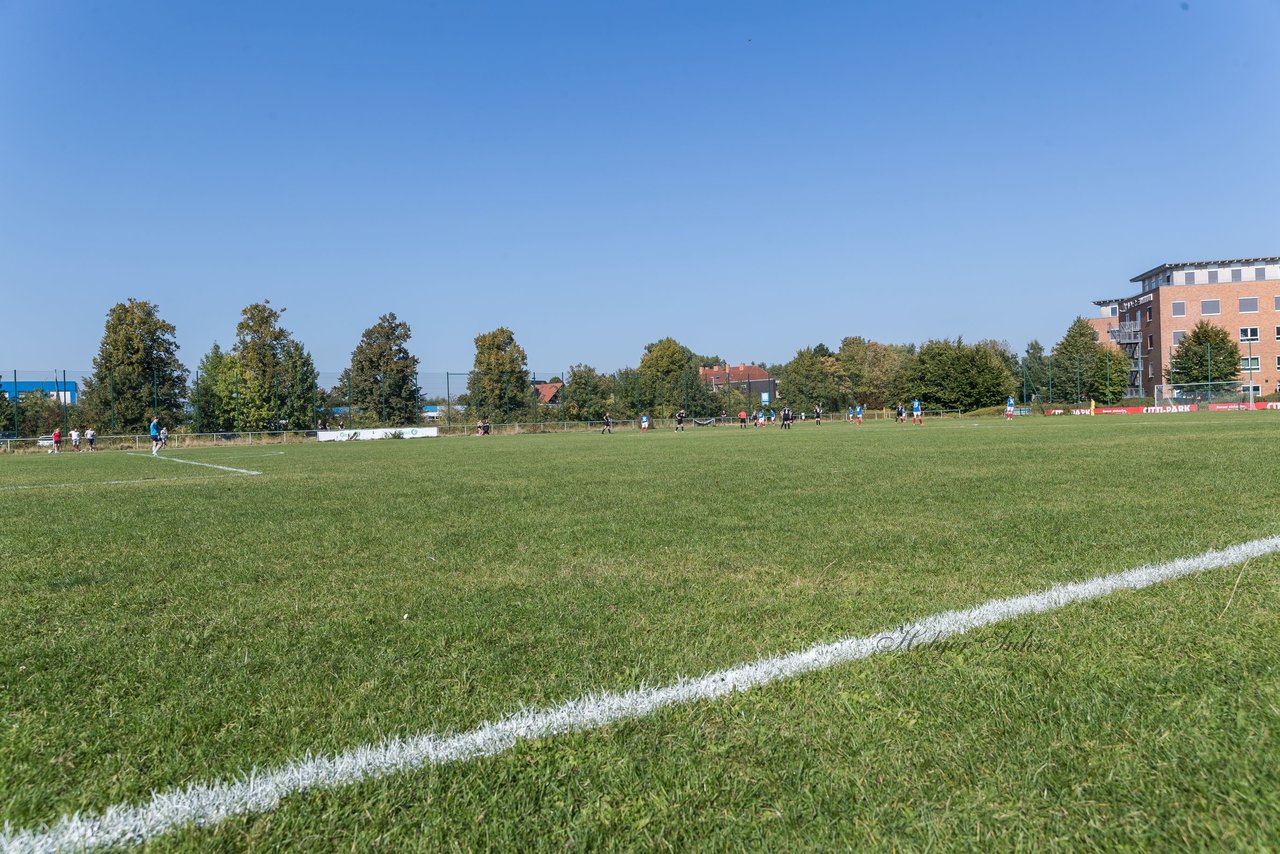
916	417
902	413
644	423
75	440
608	424
1008	409
89	436
680	421
817	416
57	440
742	418
858	414
155	435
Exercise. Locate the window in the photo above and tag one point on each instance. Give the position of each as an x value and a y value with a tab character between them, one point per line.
1278	333
1210	306
1259	273
1248	305
1256	389
1237	275
1277	303
1179	335
1213	277
1248	333
1148	314
1180	309
1151	371
1115	309
1188	278
1278	363
1249	364
1150	342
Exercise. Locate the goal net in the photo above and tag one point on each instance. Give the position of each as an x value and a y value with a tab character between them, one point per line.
1224	392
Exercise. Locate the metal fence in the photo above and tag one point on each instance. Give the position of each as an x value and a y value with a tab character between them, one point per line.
528	403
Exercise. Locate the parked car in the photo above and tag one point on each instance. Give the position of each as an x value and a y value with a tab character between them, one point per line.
44	442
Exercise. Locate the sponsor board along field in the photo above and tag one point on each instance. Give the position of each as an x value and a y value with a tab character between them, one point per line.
501	642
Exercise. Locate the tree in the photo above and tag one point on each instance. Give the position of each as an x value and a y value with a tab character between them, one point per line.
879	371
670	380
588	394
498	387
812	379
136	373
209	410
383	378
1207	354
955	375
269	376
38	413
1034	367
297	388
1084	368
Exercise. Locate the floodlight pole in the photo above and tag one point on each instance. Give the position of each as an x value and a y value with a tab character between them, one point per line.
1251	373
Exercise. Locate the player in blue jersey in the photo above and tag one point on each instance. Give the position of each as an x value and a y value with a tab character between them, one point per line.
916	417
155	435
1008	409
857	413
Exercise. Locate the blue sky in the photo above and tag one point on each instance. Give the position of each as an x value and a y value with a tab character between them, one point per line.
748	177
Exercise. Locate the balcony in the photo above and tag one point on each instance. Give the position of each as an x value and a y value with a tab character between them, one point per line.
1128	332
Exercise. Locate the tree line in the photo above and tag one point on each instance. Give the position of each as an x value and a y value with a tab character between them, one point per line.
267	379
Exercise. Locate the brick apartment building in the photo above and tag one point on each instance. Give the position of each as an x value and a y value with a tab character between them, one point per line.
1242	295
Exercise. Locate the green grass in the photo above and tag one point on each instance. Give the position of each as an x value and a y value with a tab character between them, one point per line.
189	627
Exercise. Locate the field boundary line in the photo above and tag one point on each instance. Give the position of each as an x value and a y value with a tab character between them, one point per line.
195	463
117	482
258	791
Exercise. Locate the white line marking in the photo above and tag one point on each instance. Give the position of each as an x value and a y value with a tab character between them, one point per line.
119	482
194	463
225	456
260	791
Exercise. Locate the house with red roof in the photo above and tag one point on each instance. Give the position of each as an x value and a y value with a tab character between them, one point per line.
751	380
548	393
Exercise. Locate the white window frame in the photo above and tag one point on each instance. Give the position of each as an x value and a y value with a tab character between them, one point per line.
1250	364
1248	333
1174	308
1210	313
1248	311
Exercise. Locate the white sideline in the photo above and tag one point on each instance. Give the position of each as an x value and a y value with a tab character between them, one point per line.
194	463
116	482
260	791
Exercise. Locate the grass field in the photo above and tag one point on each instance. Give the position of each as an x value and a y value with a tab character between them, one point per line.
166	624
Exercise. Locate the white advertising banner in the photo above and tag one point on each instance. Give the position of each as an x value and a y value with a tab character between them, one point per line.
378	433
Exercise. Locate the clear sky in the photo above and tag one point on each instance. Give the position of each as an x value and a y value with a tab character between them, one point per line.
748	177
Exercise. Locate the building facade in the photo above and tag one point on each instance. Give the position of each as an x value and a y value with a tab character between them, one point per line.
1242	295
63	392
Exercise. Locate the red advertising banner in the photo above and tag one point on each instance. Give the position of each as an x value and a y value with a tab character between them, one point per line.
1140	410
1236	407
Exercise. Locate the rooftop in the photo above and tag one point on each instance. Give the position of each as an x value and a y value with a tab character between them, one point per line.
1227	262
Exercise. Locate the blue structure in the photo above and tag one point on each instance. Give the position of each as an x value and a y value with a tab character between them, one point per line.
68	392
